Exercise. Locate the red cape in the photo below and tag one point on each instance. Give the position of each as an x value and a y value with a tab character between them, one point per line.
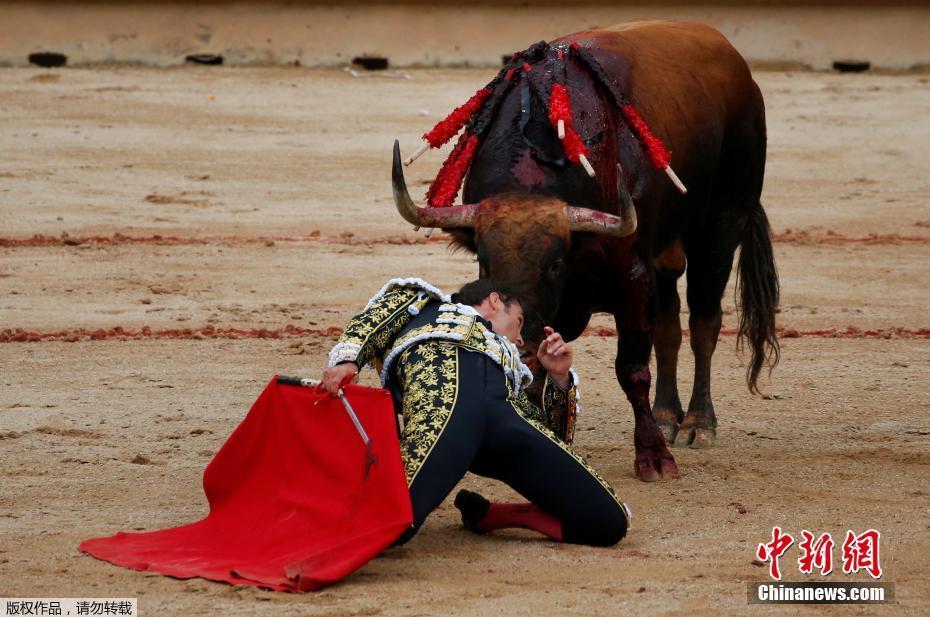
290	507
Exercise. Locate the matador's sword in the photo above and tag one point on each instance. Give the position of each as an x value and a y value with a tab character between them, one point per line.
355	420
370	458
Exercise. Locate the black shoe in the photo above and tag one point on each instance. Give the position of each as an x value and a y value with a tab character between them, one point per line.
473	508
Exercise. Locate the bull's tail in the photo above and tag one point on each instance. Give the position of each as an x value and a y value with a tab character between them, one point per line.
757	289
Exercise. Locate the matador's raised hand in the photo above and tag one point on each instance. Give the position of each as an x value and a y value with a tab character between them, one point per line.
555	355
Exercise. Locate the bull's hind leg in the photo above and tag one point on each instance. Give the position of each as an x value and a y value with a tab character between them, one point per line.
666	408
710	258
699	428
710	245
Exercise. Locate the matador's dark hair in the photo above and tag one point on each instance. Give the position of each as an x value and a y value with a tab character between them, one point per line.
475	292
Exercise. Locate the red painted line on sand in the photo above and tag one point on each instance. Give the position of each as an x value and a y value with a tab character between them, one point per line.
39	240
118	333
802	237
849	332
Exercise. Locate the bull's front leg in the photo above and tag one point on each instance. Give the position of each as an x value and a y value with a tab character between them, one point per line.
635	327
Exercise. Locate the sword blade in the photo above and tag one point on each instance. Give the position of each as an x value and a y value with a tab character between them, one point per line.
355	420
370	458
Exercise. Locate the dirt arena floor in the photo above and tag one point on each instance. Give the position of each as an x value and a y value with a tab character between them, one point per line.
170	239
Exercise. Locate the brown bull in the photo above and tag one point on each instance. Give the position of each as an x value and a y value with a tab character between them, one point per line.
538	221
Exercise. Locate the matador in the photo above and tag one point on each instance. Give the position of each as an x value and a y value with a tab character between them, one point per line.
453	367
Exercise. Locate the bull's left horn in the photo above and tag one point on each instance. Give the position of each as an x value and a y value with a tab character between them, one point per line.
627	208
446	218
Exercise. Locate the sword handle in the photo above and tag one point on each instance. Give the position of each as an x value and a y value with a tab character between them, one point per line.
315	383
298	381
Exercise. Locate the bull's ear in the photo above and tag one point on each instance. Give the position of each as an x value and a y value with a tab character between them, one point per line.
462	240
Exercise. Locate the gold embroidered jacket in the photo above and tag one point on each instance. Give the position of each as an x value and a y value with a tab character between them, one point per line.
380	334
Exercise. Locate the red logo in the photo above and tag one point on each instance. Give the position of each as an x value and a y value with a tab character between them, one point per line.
773	550
861	553
816	553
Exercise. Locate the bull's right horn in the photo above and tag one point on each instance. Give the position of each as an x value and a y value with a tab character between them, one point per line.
595	221
446	218
585	219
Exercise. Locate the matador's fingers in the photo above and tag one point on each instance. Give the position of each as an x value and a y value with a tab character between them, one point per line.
543	349
551	335
346	381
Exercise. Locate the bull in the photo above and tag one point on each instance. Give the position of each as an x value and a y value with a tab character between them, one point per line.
566	238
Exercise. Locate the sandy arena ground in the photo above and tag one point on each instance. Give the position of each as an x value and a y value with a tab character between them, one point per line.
269	189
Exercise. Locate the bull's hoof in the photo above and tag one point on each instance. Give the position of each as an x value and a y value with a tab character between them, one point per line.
646	473
684	437
667	420
695	436
704	438
669	468
669	431
654	463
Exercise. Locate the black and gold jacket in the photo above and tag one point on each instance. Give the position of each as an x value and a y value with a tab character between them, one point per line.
410	311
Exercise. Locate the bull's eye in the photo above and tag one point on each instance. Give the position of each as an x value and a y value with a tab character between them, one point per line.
556	268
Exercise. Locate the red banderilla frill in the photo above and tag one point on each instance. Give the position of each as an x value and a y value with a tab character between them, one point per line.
444	189
656	152
560	115
446	128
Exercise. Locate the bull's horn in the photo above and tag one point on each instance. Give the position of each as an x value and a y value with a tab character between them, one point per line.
447	218
627	209
585	219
